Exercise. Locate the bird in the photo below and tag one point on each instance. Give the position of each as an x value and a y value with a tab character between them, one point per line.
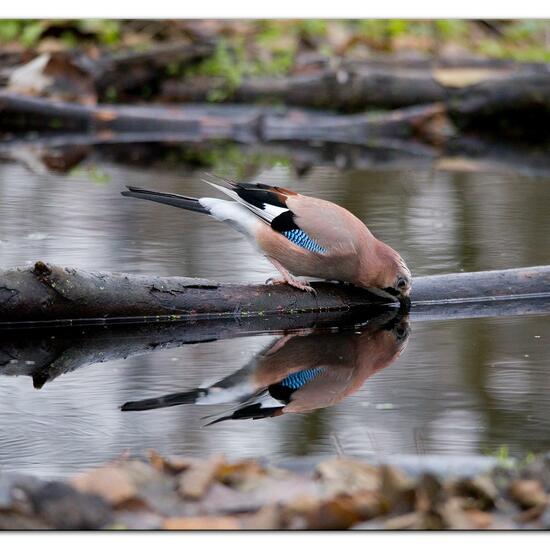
299	372
300	235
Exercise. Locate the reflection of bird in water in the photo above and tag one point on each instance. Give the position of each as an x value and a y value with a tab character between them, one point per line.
299	372
300	235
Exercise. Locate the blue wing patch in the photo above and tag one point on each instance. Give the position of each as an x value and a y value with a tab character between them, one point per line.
298	379
298	237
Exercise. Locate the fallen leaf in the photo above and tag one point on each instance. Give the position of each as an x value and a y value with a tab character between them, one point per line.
195	481
406	521
244	475
346	476
480	489
479	519
527	493
205	523
397	489
109	482
267	518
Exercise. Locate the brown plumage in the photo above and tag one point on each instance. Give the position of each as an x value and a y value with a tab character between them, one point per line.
301	236
301	372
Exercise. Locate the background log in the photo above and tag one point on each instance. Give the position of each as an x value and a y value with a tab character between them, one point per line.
214	122
47	293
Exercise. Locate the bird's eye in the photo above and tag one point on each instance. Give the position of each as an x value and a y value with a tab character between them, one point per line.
401	332
402	282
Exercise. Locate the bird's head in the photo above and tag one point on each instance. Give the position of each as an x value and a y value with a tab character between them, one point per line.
388	271
399	283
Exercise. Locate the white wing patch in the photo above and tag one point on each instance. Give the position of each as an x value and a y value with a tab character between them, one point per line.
232	213
268	213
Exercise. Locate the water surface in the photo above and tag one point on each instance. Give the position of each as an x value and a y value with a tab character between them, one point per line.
460	386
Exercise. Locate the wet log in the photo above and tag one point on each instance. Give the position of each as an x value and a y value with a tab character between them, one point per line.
515	106
515	98
341	89
358	86
197	123
51	294
127	72
48	352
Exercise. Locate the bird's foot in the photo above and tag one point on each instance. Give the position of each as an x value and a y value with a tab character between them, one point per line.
296	283
301	285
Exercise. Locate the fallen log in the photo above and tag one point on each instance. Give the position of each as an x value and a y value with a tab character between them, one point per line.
51	294
127	72
75	76
340	89
470	93
352	85
196	123
516	98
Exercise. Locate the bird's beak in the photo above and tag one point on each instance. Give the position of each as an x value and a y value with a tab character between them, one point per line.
387	294
404	300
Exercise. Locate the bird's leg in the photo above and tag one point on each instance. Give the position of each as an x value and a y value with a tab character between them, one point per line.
288	279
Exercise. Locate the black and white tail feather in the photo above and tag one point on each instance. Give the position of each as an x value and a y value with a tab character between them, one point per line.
258	198
250	204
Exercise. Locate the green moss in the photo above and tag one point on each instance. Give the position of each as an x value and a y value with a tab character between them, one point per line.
9	30
397	27
313	27
30	33
452	28
27	31
91	172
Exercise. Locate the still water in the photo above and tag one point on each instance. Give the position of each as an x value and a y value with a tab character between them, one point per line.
435	387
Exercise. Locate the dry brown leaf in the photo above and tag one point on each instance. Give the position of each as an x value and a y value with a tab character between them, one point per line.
347	476
453	514
480	491
397	489
244	475
406	521
170	464
109	482
205	523
268	518
479	519
195	481
527	493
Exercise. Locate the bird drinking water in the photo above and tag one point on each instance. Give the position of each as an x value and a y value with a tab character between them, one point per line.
300	235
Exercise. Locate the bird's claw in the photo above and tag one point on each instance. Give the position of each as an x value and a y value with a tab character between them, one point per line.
303	286
293	283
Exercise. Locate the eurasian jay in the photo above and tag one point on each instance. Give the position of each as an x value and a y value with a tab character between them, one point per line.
299	372
300	235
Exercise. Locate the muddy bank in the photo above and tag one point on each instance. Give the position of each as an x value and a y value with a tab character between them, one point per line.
186	493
